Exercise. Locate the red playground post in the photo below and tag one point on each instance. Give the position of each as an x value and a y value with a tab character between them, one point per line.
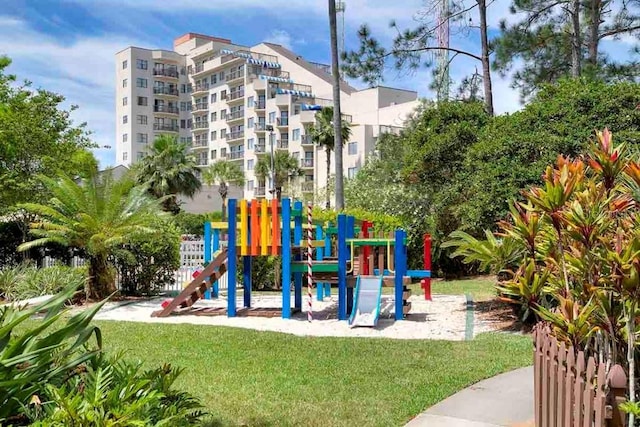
366	225
426	283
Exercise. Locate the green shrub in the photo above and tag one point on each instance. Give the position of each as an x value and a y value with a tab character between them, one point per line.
189	223
23	281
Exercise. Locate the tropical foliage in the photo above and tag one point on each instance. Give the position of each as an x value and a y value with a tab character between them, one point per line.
223	173
168	170
286	169
323	134
579	239
25	281
99	216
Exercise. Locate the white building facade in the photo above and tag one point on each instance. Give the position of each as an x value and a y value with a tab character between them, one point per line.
238	103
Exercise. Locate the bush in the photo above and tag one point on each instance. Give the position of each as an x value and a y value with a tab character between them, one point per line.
24	281
189	223
148	263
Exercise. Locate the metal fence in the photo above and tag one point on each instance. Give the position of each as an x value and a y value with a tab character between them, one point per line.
191	260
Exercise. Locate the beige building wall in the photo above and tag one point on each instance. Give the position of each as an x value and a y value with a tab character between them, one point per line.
226	106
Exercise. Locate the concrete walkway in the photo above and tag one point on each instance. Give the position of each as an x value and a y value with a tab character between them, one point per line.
504	400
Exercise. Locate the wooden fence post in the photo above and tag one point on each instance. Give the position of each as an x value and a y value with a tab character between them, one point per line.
617	394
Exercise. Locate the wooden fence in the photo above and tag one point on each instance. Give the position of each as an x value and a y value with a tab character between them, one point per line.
573	391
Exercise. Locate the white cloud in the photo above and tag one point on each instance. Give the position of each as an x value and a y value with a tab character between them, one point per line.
82	71
280	37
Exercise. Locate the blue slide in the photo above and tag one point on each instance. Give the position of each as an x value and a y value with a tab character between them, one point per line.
366	301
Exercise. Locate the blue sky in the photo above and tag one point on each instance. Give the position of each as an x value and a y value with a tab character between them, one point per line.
68	46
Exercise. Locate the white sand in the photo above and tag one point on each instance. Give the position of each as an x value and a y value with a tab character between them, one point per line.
443	318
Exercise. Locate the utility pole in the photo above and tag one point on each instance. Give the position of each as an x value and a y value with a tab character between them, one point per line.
337	114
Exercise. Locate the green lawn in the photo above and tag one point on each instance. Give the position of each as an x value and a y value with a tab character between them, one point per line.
262	378
480	288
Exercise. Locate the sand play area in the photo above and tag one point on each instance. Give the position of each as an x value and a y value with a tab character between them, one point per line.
447	317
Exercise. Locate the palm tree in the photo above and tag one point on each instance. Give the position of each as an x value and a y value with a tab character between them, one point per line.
168	170
323	134
286	166
223	172
337	115
99	216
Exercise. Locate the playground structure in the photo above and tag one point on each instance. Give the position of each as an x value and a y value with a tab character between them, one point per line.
345	256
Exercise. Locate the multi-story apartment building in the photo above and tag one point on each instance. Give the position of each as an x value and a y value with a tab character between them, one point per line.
239	103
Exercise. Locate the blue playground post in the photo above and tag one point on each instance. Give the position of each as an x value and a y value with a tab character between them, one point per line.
207	251
351	231
286	258
232	257
215	287
342	267
297	238
319	252
327	253
400	255
246	266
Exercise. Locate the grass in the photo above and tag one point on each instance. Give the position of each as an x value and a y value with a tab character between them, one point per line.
481	288
247	377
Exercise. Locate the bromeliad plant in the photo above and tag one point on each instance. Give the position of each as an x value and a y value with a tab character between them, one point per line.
579	240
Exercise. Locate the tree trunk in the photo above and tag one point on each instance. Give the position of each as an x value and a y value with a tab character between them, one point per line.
576	43
328	201
222	189
486	65
337	114
101	281
594	27
279	193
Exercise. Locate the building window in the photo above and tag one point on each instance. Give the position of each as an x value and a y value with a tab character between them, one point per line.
142	100
295	135
140	82
296	109
213	154
124	82
250	102
124	101
223	95
250	122
125	119
214	79
214	97
214	116
183	124
125	63
141	119
223	153
352	148
351	173
223	133
223	114
250	144
125	137
142	64
183	106
214	135
221	76
125	156
250	164
250	185
142	138
189	123
139	155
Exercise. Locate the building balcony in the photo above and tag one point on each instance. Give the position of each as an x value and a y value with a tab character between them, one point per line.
306	141
283	99
202	125
259	191
307	187
259	105
308	116
260	149
235	76
306	163
200	106
282	121
199	88
231	136
282	144
202	161
166	91
200	143
235	116
166	72
260	127
235	155
235	96
166	109
161	127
